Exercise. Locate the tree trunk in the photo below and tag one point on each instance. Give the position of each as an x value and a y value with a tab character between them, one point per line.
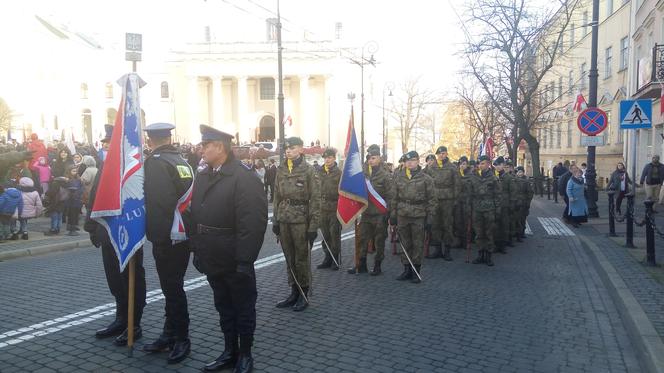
533	148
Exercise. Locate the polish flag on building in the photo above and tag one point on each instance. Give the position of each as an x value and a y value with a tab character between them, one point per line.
580	104
288	120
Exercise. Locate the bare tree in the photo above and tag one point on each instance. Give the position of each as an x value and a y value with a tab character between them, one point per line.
6	115
511	49
408	109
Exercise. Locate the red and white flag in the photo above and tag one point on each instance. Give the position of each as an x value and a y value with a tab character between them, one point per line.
580	104
288	120
376	199
178	231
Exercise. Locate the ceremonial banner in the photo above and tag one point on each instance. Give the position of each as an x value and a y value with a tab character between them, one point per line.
353	194
120	203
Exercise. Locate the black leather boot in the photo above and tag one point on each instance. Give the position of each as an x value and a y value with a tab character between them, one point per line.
228	358
113	329
165	341
123	338
180	351
245	362
480	257
376	269
435	252
488	259
510	243
407	273
362	268
292	298
415	279
447	256
327	262
301	303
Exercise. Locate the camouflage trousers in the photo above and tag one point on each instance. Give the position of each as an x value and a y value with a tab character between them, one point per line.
462	218
503	225
297	252
443	224
373	227
411	232
484	224
331	228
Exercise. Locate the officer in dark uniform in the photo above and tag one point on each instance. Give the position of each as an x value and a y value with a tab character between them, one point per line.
229	217
168	177
118	282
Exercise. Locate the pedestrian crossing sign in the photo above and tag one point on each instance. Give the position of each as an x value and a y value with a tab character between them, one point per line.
635	114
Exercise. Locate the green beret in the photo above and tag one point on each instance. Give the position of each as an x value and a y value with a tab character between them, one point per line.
293	141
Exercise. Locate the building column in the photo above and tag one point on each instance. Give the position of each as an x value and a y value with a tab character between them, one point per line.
217	102
328	137
303	124
194	108
242	108
276	108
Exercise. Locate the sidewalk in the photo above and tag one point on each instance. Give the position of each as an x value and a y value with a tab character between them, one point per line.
38	243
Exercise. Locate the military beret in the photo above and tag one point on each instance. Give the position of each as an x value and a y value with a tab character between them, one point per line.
483	158
210	134
441	149
159	129
430	157
463	159
293	141
520	168
500	160
509	162
402	159
411	155
108	133
373	150
471	162
330	152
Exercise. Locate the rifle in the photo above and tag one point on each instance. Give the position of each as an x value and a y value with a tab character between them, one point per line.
393	239
469	234
427	240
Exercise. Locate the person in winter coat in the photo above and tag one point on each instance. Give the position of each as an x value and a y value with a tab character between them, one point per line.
32	205
56	196
11	203
562	189
88	177
37	147
578	207
619	182
74	203
61	163
43	171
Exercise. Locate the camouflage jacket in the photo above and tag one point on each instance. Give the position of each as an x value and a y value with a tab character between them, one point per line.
464	186
524	191
485	191
507	189
445	179
382	182
414	197
329	188
297	195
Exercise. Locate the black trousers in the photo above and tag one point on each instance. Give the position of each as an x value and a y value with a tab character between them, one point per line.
235	300
118	283
171	262
566	211
270	195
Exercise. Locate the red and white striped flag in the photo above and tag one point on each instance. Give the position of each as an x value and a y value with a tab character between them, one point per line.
580	104
375	198
178	231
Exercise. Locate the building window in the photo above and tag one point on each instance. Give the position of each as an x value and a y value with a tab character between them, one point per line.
621	133
108	92
609	8
585	23
553	91
164	90
570	83
608	60
558	134
584	75
267	88
560	87
545	138
624	53
569	134
84	90
562	42
571	35
607	131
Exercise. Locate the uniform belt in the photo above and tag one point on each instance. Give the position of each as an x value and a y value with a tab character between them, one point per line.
411	202
297	202
213	231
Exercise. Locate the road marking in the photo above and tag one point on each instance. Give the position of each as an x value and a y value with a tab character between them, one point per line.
555	227
91	314
528	230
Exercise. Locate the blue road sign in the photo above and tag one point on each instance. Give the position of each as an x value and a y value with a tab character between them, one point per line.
592	121
635	114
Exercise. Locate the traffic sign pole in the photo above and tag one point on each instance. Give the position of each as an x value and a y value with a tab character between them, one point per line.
591	172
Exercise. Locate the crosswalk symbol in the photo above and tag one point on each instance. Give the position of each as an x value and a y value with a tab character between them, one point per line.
635	114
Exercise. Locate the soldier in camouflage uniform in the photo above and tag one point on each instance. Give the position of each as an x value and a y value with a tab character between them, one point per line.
485	191
296	219
373	224
413	208
462	206
446	179
504	215
524	194
330	226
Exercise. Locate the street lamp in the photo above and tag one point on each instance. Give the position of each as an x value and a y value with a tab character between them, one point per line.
370	47
388	86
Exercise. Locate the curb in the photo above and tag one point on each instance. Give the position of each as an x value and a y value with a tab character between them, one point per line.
44	249
649	345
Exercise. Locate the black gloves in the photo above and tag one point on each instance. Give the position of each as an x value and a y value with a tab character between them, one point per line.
311	236
393	221
245	268
275	229
427	228
95	240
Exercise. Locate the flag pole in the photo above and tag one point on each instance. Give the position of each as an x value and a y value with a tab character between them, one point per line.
132	279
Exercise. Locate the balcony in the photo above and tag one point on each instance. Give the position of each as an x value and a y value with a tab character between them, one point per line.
650	74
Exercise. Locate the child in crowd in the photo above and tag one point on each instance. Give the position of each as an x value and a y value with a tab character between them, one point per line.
74	203
55	200
32	205
43	170
11	206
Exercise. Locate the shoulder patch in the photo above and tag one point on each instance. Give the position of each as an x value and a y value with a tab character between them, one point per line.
184	172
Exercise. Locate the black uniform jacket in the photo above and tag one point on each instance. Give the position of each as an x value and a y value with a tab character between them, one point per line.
98	234
229	218
167	178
